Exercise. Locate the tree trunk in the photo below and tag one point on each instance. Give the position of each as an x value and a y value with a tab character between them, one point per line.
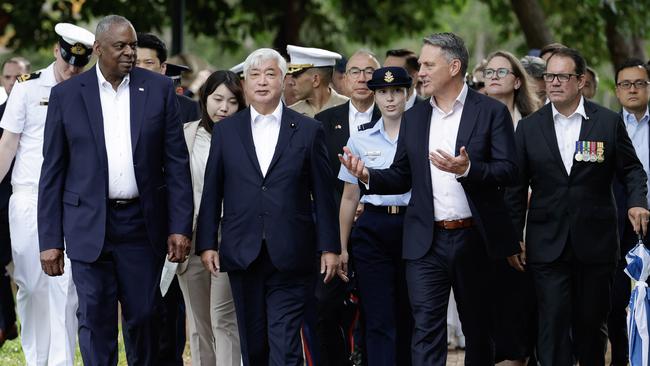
290	21
621	46
533	22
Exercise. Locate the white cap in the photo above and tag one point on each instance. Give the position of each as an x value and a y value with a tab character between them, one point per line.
74	34
306	57
238	69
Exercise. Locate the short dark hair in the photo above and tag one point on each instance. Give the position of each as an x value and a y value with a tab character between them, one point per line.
578	60
151	41
631	62
411	59
550	48
17	60
232	82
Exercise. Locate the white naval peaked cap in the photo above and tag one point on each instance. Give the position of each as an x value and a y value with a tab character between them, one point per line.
73	34
306	57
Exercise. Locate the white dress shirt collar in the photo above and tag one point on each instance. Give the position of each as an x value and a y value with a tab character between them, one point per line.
410	102
277	114
579	110
460	101
104	83
627	118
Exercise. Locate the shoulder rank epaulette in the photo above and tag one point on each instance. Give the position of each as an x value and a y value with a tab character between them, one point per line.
25	77
366	126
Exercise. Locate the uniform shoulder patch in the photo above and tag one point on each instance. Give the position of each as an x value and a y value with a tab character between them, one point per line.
25	77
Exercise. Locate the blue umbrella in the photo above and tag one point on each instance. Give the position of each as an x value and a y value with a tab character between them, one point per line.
638	268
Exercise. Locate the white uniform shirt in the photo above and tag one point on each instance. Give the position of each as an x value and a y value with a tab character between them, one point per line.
356	118
266	129
449	200
116	113
25	115
567	132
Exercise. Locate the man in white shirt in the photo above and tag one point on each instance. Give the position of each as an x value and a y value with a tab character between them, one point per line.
46	306
569	153
115	183
266	163
456	154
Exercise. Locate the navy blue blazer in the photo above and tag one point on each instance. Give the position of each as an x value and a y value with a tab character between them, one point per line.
277	207
73	188
486	131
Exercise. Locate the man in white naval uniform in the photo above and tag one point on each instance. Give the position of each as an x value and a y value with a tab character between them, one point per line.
46	305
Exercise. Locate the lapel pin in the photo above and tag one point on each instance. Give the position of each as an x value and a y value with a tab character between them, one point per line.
141	89
337	127
292	125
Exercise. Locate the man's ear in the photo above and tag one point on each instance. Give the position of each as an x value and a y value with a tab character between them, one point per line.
163	68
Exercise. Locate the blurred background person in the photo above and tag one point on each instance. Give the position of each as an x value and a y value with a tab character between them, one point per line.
310	73
152	55
338	77
213	332
507	81
591	83
546	51
535	68
376	240
12	68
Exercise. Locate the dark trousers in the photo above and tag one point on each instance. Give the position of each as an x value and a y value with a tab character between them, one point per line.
457	259
621	292
377	250
270	306
573	305
332	322
128	270
7	304
172	327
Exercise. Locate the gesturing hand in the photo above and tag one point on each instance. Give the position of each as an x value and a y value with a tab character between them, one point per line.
354	165
450	164
178	247
52	262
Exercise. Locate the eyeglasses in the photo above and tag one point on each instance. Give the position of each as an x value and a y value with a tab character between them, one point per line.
355	72
500	73
561	77
638	84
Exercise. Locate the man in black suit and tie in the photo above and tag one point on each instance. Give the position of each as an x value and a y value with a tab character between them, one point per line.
568	154
266	163
456	153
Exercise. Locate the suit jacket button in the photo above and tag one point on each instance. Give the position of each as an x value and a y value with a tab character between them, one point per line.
264	188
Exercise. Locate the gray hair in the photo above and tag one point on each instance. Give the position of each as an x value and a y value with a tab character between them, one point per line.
260	55
105	24
366	52
452	46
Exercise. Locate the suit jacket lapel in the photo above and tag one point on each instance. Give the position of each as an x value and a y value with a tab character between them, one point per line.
287	128
586	126
246	135
548	130
138	96
424	130
341	125
467	120
90	96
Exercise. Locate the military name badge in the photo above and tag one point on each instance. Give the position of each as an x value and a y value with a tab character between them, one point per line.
578	155
592	152
600	151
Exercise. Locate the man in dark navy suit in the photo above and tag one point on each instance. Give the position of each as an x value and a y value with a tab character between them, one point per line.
456	153
115	183
266	163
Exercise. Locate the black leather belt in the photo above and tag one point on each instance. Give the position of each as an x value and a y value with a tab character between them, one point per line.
122	202
390	210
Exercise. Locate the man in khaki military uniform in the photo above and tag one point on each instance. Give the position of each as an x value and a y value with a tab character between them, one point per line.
310	73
